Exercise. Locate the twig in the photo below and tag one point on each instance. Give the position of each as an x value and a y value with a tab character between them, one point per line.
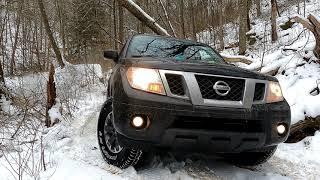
264	46
118	41
167	17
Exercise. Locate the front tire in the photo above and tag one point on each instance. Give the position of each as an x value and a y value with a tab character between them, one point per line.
112	152
251	158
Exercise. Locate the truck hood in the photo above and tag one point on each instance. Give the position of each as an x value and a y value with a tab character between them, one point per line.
216	69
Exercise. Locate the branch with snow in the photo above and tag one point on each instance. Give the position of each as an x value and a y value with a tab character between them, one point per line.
233	59
133	8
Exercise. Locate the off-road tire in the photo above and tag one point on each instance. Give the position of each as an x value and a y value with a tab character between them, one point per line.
251	158
126	156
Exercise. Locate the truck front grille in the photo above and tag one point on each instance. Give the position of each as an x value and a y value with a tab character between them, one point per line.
218	124
259	91
176	84
206	84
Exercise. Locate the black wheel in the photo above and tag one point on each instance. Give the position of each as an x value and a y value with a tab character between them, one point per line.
112	152
251	158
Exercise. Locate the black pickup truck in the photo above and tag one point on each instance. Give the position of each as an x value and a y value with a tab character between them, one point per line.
168	94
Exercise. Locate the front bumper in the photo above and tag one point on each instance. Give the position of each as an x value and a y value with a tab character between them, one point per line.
179	125
165	132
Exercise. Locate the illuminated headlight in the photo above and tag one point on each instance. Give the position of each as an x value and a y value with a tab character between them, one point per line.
274	93
145	79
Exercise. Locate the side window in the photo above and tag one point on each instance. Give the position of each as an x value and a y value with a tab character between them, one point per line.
192	53
204	54
199	53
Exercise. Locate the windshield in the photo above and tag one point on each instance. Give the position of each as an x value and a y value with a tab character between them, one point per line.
172	49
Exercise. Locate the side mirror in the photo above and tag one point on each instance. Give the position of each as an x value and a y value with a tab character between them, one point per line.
110	54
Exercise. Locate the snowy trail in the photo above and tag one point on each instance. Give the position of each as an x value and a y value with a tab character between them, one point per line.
84	149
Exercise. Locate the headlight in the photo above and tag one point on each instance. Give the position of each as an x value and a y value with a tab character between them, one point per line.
145	79
274	93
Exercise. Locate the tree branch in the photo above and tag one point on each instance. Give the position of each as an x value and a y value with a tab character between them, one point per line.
305	23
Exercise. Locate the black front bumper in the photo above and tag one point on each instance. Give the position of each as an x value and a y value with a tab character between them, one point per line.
201	128
179	125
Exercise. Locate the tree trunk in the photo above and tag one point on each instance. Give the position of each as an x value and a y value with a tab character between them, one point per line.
16	38
61	17
121	28
115	24
51	94
258	6
221	28
316	50
304	128
249	2
2	82
274	34
194	34
50	34
1	73
143	17
181	4
243	27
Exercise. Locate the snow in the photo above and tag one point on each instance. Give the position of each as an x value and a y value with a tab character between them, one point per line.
54	112
306	151
238	56
72	152
297	86
80	171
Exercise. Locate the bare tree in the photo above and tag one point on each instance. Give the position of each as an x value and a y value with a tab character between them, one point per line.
243	26
16	38
115	24
2	82
221	28
167	18
258	6
50	34
181	12
121	23
193	25
274	34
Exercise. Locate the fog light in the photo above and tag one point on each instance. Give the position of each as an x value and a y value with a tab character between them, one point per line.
138	122
281	129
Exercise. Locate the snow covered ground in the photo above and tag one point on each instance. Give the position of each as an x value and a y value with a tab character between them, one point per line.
71	152
71	149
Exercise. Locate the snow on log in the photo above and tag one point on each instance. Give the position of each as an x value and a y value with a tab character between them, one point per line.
133	8
312	23
234	59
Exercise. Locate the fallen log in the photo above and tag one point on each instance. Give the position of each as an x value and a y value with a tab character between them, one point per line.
312	23
234	59
302	129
